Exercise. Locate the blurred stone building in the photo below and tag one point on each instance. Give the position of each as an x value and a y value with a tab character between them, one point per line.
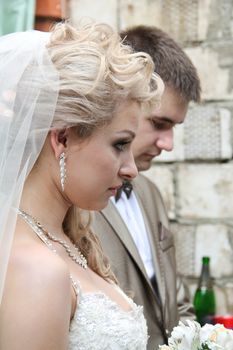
196	179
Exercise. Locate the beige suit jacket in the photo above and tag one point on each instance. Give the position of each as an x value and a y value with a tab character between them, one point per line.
162	310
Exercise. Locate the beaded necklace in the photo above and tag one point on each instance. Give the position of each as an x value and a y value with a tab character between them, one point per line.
47	237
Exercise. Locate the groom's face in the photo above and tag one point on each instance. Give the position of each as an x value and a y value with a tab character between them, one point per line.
155	132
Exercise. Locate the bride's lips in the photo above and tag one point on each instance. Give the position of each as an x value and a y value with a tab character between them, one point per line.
151	156
114	189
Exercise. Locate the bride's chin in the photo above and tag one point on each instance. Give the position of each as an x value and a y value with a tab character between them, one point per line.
100	206
97	206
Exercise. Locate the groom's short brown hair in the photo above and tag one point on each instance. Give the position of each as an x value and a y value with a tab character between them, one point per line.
171	62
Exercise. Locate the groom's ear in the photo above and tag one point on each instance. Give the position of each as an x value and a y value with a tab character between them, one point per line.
58	141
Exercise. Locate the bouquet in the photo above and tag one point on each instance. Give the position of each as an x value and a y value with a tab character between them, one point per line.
191	336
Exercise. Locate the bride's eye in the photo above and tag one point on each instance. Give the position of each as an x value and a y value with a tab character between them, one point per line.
122	145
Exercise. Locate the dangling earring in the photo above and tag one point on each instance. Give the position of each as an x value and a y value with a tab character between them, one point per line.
62	163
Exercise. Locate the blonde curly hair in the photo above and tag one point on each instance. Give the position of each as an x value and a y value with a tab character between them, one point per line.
96	73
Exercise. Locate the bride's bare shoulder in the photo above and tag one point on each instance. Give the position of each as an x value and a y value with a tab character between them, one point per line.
32	261
31	257
37	291
34	270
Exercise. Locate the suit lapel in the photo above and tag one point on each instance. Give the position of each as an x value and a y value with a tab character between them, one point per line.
121	230
123	233
153	235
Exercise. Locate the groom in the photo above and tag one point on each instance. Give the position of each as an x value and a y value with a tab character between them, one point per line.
134	231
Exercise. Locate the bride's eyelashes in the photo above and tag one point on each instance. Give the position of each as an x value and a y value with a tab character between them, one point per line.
122	145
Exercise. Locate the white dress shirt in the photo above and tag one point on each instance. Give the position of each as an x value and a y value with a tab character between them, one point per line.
132	216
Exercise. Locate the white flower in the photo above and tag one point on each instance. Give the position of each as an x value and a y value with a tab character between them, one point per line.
218	336
185	337
191	336
205	332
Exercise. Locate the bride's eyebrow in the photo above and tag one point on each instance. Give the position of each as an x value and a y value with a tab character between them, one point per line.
165	120
126	131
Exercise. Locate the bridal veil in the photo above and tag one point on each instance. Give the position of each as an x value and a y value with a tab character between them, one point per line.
28	95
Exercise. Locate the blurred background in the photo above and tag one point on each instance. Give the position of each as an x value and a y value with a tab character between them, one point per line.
196	178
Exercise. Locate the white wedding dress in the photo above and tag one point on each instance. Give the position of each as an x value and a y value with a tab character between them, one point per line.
100	324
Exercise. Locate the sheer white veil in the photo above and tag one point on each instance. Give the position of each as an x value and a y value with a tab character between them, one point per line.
29	86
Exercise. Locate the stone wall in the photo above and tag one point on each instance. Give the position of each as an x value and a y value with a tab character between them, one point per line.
196	178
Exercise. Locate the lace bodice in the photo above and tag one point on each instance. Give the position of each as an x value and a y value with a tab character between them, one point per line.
100	324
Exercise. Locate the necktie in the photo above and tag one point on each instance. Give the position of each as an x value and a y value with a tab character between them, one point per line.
127	187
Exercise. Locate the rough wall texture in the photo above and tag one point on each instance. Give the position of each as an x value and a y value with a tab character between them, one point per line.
196	179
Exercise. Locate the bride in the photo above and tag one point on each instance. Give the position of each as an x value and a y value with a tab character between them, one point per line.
70	103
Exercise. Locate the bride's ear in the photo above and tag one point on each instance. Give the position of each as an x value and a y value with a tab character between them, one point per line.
58	141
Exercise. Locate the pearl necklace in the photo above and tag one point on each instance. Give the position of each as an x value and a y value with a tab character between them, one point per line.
45	236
